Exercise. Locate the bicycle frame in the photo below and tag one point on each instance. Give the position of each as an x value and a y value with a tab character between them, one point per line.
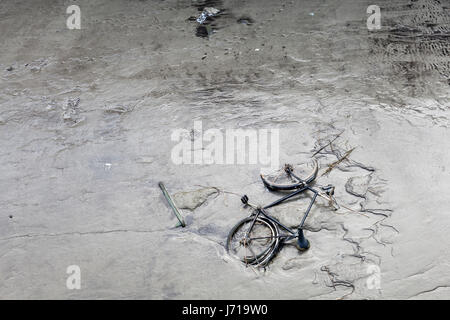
293	234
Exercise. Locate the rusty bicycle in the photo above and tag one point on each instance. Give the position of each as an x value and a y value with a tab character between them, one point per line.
255	240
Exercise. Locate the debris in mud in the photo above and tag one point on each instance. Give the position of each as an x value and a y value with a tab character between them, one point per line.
207	12
71	112
245	20
210	10
260	225
172	205
337	162
37	65
193	199
73	103
328	144
118	109
10	69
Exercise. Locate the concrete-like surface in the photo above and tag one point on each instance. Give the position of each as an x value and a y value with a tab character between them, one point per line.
78	178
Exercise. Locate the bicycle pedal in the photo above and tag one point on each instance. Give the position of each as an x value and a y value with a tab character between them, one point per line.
244	199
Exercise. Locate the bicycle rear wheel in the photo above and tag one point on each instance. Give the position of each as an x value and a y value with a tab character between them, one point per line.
253	244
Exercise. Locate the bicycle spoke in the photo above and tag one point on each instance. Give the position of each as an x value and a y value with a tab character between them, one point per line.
251	225
256	258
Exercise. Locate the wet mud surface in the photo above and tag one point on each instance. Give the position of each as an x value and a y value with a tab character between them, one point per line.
86	118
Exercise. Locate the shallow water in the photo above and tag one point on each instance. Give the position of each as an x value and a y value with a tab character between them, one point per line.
79	177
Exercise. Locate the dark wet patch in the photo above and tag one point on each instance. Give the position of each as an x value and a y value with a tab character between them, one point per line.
203	31
208	229
212	230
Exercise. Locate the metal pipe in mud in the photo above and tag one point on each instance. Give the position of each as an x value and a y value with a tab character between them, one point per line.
169	199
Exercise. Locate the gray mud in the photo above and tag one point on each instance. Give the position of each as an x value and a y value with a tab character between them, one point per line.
86	118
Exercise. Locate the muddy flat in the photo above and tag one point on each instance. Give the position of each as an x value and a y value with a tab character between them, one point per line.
91	119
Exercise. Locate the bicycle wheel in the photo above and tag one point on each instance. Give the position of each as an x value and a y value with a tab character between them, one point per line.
285	179
255	244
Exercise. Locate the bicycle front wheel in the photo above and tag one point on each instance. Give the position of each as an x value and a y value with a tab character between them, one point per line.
253	241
